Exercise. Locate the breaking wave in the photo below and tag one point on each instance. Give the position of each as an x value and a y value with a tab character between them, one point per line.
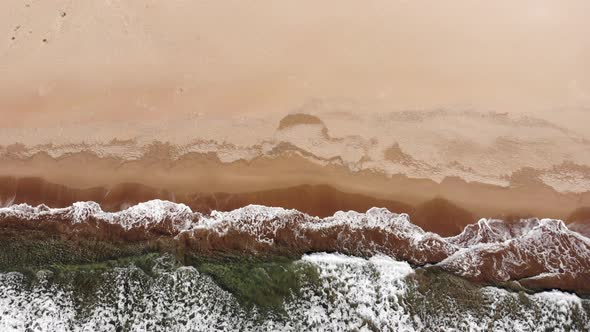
533	253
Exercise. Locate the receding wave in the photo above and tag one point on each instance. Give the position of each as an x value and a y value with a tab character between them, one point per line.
536	254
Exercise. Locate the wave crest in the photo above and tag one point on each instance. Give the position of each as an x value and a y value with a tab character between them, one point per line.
537	253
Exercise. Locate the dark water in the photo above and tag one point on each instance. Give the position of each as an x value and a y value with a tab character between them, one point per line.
322	292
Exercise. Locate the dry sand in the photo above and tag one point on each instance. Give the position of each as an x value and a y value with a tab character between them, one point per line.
138	60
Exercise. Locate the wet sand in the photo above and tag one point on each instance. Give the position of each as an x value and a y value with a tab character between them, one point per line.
442	208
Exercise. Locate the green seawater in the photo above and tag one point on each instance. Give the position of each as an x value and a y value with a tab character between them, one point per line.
56	286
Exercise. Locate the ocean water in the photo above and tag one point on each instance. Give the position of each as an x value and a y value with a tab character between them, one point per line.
318	292
158	266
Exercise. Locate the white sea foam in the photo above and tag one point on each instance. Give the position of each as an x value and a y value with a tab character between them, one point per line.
140	215
513	247
353	294
459	150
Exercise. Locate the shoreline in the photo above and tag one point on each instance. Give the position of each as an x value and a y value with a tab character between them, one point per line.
204	183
